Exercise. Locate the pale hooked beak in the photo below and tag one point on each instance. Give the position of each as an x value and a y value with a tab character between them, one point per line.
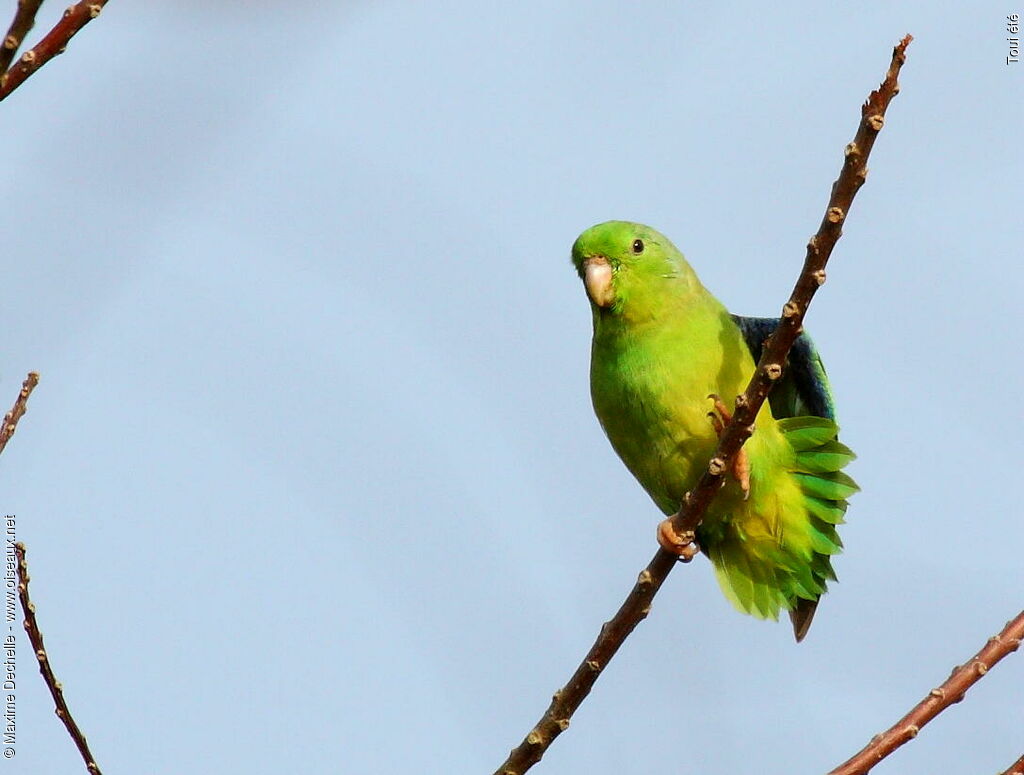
597	278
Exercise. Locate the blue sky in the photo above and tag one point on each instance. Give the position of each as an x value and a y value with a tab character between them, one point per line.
312	480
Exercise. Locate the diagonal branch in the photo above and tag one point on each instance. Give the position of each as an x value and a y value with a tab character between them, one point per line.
20	404
54	43
1017	768
777	347
952	691
636	606
24	19
36	639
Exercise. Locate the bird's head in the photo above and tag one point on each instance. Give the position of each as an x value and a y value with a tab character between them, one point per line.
631	269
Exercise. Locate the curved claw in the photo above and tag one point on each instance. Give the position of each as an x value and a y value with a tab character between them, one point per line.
716	423
720	407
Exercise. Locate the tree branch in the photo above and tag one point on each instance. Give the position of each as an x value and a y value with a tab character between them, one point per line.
36	639
636	606
20	404
24	19
1017	768
952	691
54	43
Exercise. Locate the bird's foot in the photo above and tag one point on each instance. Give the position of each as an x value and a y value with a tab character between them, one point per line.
682	545
741	463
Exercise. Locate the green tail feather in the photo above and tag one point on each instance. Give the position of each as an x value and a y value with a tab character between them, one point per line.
820	458
830	511
828	458
833	486
805	433
762	577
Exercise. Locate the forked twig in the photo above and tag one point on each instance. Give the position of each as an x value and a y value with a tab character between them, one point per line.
36	639
952	691
24	19
636	606
20	405
52	44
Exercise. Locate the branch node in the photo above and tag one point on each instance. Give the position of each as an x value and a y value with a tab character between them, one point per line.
36	639
852	149
53	43
876	122
791	309
695	502
952	691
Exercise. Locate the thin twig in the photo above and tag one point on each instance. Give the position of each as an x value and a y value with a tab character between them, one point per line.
24	19
36	639
55	41
1017	768
20	404
636	606
952	691
776	348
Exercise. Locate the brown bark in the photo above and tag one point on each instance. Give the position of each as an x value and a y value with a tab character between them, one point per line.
637	604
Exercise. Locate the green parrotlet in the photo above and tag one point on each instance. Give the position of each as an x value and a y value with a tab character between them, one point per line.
664	350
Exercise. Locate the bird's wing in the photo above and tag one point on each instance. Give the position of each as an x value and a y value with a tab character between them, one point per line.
804	388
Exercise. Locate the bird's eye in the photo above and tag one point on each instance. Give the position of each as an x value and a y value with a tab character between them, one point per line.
638	246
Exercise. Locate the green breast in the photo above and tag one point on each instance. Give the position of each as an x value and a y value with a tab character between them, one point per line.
649	384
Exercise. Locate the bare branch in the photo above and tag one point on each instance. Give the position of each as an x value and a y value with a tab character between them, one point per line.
812	277
24	19
952	691
1017	768
54	43
36	639
20	404
636	606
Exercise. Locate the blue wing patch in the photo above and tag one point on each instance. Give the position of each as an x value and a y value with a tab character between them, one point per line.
804	388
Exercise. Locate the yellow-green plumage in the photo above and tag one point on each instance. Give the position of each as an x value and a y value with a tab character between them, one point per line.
662	343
